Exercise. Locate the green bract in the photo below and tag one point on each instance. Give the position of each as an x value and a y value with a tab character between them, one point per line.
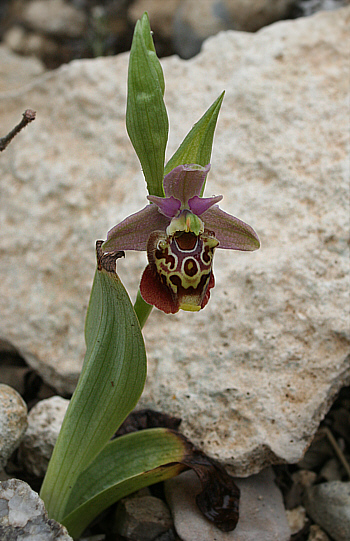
146	116
147	119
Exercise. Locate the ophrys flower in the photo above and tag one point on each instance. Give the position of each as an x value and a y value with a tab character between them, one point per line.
180	233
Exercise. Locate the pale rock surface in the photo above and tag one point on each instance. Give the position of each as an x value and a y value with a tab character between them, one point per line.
328	504
195	21
261	510
44	423
13	422
23	515
253	373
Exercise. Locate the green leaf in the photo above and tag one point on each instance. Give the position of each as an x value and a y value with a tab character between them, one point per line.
125	465
198	143
109	386
146	116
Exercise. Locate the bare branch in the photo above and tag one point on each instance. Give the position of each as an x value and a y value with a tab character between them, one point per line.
28	116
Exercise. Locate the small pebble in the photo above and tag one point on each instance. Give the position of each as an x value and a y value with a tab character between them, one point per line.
142	518
296	519
304	478
317	534
44	423
328	504
332	470
13	422
261	519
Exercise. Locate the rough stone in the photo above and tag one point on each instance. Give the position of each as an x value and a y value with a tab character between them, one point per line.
332	470
261	510
23	515
54	17
253	373
30	43
296	519
251	15
142	518
13	422
160	13
195	21
16	72
305	8
302	479
317	534
44	423
328	504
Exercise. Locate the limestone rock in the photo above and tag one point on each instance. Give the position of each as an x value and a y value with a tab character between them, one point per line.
23	515
329	506
160	13
54	17
44	423
305	8
253	373
261	510
195	21
30	43
251	15
13	422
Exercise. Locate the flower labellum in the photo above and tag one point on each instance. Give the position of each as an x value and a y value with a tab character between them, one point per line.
180	233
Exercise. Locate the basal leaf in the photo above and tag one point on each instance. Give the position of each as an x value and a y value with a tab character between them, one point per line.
109	387
125	465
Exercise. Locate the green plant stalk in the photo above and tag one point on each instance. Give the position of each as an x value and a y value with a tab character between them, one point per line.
142	309
109	387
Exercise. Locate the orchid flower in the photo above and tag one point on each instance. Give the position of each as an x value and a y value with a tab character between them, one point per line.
180	233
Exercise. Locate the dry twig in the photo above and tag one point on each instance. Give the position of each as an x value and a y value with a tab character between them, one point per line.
28	116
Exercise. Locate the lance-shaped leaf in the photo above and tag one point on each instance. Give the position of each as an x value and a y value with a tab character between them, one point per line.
146	116
109	386
198	143
125	465
139	459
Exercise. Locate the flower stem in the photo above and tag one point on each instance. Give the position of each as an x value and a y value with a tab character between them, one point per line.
142	309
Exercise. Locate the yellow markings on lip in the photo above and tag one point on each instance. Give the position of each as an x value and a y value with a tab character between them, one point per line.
190	307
